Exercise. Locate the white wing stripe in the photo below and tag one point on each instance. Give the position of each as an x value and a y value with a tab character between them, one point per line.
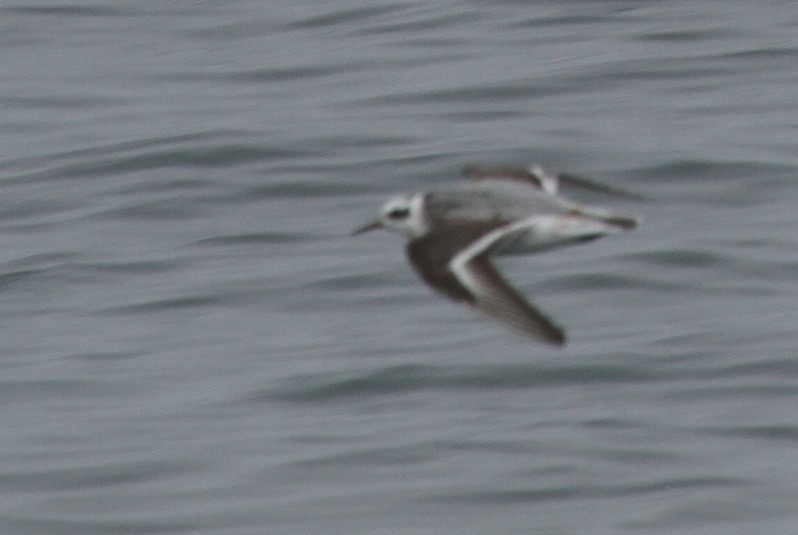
549	229
459	264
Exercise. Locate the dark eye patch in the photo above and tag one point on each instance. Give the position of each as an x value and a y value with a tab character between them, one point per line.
399	213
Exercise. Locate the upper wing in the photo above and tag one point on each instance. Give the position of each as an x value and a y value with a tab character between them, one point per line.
535	176
455	261
549	182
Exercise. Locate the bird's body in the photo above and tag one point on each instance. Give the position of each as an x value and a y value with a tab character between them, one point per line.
453	233
531	219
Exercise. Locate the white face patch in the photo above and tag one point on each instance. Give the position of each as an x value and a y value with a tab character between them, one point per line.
405	215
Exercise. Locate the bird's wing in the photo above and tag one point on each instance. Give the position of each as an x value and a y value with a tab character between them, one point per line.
535	176
545	180
455	260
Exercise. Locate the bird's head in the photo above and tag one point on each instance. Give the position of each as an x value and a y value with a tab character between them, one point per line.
400	214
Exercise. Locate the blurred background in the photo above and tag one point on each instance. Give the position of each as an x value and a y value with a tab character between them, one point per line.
190	342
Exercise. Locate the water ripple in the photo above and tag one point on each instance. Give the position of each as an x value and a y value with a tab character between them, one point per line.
258	238
391	380
577	492
768	432
73	11
684	258
204	150
96	475
344	17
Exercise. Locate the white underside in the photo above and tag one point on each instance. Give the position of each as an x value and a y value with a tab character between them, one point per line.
530	235
538	233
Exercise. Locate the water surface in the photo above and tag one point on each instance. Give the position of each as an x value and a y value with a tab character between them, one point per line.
193	344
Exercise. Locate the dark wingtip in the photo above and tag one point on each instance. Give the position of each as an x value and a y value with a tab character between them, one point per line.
558	338
586	184
624	223
549	333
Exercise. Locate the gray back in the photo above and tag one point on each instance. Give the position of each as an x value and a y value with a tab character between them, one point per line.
495	200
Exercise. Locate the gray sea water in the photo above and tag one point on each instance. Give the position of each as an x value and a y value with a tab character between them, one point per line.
190	342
